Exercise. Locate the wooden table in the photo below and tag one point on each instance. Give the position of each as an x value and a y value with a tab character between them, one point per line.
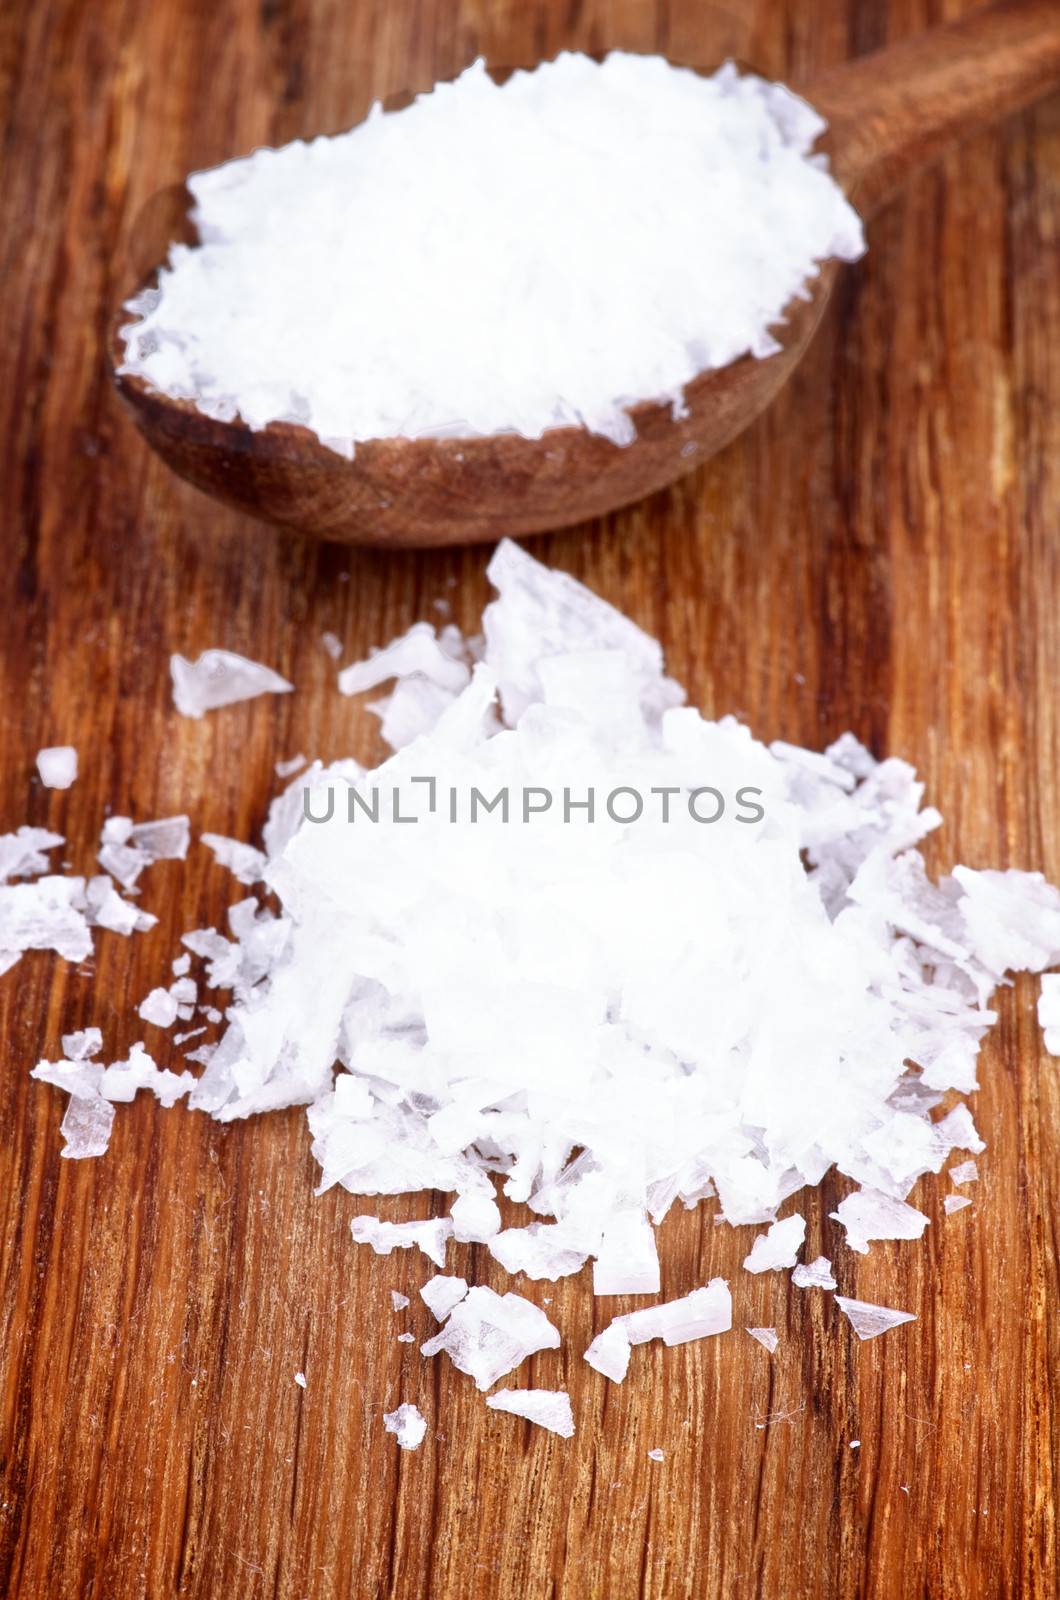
880	553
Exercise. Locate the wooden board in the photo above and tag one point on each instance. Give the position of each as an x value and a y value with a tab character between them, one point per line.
880	553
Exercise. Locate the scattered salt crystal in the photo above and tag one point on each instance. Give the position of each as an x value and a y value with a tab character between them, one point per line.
160	1007
287	769
180	966
299	1379
86	1127
695	1316
958	1131
123	861
406	1338
418	653
408	1424
57	766
242	860
45	915
82	1045
656	1455
441	1294
220	678
869	1321
487	1335
366	349
105	908
398	1301
868	1215
766	1337
818	1275
964	1172
548	1408
855	1444
22	854
430	1236
778	1247
610	1351
954	1202
163	839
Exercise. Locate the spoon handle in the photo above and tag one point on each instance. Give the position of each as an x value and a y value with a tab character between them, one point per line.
895	110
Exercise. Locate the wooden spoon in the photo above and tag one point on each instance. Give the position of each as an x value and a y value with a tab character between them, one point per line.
888	114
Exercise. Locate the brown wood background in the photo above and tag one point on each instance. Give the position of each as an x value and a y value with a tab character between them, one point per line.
880	553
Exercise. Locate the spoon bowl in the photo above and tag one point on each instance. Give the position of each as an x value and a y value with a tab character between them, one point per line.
887	113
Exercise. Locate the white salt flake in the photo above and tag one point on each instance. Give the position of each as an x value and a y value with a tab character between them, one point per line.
656	1455
778	1247
398	1301
299	1379
23	853
610	1351
695	1316
242	860
964	1172
488	1335
441	1294
407	1424
548	1408
220	678
160	1007
287	769
162	839
766	1337
954	1202
869	1321
431	1236
818	1275
86	1127
57	766
868	1215
418	653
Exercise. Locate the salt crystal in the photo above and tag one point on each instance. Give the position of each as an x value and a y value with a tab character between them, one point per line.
965	1172
22	854
868	1215
406	1338
332	644
441	1294
242	860
299	1379
82	1045
160	1008
286	769
45	915
656	1455
869	1321
408	1424
818	1275
778	1247
86	1127
105	908
416	652
610	1351
430	1236
695	1316
627	1261
766	1337
57	766
548	1408
487	1335
398	1301
367	346
954	1202
162	839
220	678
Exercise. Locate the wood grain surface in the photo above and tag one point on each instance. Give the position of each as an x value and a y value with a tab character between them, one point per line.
880	552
